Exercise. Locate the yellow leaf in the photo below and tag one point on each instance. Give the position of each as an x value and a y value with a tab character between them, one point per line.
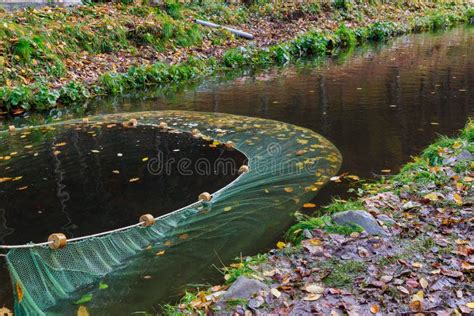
302	141
183	236
60	144
386	170
374	309
228	208
133	179
288	189
160	253
457	199
432	197
457	145
22	188
417	265
281	245
145	159
82	311
470	305
353	177
309	205
116	171
19	292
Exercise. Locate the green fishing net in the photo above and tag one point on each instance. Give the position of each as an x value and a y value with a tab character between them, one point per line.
287	166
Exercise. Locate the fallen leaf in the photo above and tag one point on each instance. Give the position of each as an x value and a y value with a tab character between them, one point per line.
160	253
133	179
84	299
82	311
280	245
424	283
19	292
288	189
314	288
374	309
103	286
312	297
309	205
275	292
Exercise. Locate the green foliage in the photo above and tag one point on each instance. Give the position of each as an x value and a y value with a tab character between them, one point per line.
23	49
295	233
234	58
45	98
342	273
310	44
72	92
342	4
347	37
243	267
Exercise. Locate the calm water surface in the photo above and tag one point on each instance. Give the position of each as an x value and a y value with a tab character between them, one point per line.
379	104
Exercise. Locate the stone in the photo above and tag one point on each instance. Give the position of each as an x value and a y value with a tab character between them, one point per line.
244	288
386	219
361	218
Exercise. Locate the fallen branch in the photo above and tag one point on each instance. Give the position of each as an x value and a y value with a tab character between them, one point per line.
234	31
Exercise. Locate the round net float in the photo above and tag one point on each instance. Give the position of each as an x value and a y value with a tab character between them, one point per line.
147	220
58	241
244	169
163	125
11	128
230	145
205	196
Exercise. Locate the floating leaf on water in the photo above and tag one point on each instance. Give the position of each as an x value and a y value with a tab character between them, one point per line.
56	152
60	144
95	151
183	236
133	179
84	299
288	189
227	209
145	159
280	245
386	170
160	253
103	286
309	205
22	188
82	311
28	146
115	171
5	179
19	292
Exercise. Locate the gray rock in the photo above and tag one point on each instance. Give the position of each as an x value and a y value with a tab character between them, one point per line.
244	288
386	219
361	218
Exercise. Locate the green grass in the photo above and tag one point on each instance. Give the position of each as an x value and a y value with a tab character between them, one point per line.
295	233
342	273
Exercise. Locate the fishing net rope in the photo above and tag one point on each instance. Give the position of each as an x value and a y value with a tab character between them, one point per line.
287	165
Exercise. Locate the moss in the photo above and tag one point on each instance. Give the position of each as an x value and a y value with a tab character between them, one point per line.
342	273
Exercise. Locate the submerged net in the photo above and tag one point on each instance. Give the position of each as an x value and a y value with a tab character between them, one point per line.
287	166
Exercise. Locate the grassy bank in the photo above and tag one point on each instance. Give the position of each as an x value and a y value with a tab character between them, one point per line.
56	57
423	265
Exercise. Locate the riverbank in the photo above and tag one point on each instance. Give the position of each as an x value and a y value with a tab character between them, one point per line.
405	245
55	57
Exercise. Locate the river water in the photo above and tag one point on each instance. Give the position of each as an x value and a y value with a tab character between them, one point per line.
379	104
